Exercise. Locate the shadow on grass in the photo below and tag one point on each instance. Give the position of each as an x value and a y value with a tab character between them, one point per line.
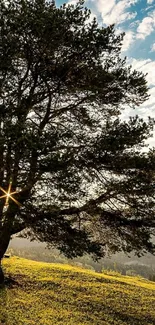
103	309
3	306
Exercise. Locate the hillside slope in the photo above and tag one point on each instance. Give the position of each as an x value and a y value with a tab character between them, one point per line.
47	294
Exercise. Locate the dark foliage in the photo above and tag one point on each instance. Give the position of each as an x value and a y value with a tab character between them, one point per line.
83	182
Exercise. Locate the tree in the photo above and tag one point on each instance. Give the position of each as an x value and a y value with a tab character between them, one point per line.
72	173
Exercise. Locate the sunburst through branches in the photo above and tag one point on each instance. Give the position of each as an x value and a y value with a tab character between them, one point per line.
8	195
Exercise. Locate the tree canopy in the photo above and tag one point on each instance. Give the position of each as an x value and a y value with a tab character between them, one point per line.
79	177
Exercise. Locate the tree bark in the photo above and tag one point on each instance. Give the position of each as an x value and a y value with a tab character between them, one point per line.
4	242
1	274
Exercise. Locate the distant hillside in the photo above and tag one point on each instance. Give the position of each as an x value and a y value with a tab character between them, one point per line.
20	243
52	294
126	266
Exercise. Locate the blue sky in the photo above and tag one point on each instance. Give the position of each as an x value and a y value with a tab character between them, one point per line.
137	19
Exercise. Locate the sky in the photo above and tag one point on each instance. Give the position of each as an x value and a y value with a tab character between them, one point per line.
137	19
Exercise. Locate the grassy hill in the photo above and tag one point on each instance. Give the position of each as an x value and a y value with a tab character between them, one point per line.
52	294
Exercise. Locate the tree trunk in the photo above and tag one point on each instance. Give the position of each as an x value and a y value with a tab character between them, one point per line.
4	242
1	274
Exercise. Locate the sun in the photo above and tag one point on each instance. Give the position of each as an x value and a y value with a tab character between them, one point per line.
8	195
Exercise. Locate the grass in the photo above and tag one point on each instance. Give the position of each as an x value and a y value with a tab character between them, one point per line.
52	294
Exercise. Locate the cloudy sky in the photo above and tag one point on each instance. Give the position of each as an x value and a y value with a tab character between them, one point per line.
137	19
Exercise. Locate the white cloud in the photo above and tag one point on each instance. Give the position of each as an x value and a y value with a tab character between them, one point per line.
150	2
134	23
150	103
146	66
148	107
146	27
128	40
104	6
153	48
113	12
72	2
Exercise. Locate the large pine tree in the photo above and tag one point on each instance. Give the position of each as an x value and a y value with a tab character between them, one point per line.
79	178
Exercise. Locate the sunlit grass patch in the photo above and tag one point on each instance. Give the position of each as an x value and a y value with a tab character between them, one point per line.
49	294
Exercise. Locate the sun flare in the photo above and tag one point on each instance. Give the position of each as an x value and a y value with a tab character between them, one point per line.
8	195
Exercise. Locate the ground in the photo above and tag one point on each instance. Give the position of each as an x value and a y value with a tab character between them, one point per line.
52	294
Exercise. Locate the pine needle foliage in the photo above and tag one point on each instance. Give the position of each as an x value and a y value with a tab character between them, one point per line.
83	183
